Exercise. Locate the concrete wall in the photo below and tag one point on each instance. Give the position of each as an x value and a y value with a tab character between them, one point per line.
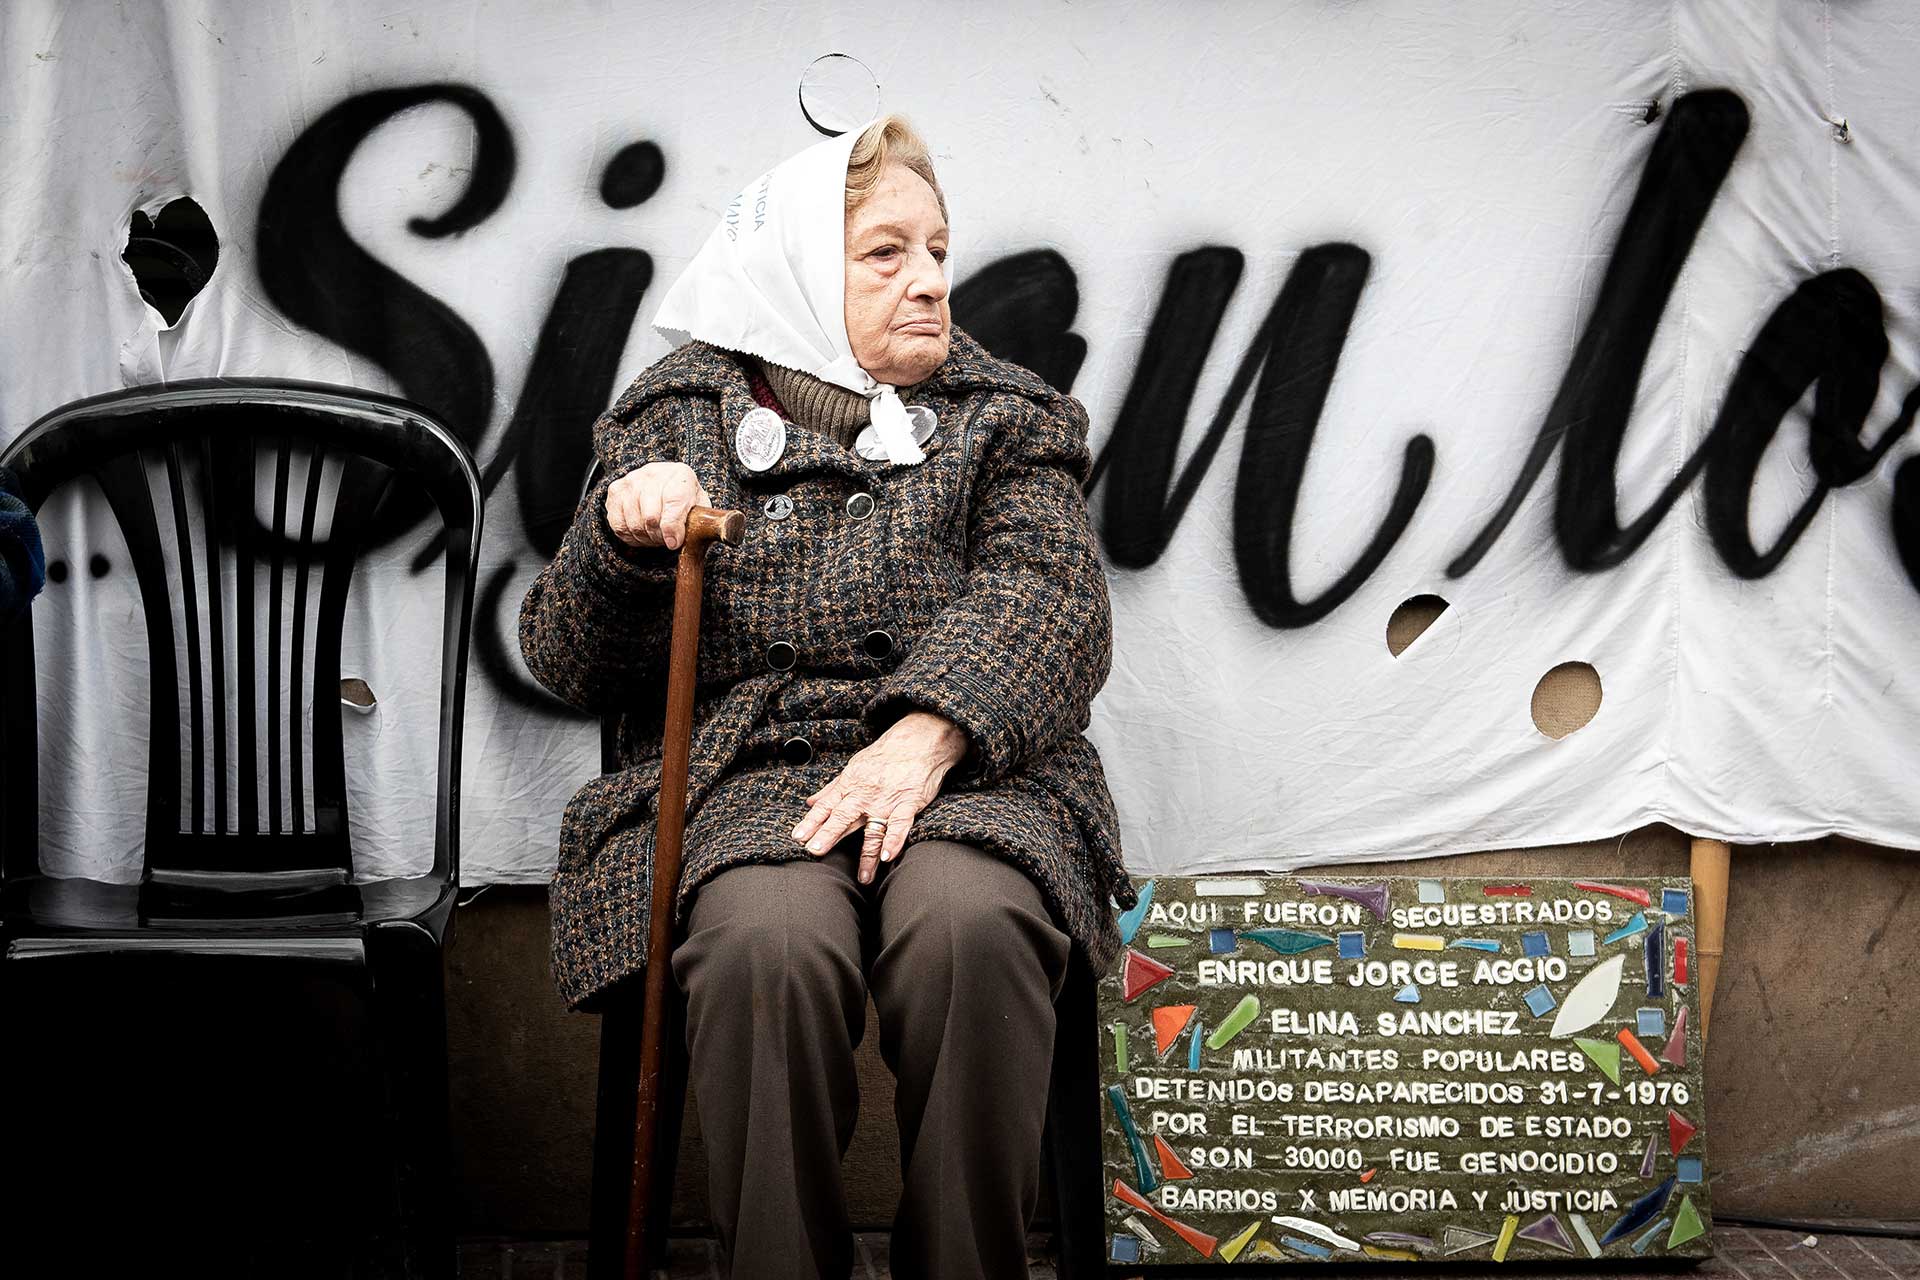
1812	1071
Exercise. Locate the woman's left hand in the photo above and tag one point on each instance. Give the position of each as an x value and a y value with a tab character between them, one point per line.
890	781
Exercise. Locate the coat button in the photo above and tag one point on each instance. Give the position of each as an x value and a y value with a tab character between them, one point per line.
778	507
796	751
781	655
860	505
878	644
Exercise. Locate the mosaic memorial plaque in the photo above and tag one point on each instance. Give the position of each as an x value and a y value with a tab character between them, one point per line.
1300	1070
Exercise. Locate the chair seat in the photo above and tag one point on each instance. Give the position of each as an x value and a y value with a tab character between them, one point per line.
259	915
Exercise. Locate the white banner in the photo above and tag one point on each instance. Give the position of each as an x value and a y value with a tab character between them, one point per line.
1594	320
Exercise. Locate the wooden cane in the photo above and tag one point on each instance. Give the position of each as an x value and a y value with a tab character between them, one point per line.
1709	868
704	525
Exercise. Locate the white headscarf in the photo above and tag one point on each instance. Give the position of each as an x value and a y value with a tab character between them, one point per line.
771	282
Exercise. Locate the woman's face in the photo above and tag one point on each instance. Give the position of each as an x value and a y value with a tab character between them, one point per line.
897	318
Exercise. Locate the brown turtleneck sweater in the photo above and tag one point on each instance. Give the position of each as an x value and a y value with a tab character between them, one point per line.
816	405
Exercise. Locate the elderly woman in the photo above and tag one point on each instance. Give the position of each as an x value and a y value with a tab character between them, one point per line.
889	792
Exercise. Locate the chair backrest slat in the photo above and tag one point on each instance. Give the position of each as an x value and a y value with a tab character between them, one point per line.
362	485
190	606
239	481
216	629
124	482
280	466
296	728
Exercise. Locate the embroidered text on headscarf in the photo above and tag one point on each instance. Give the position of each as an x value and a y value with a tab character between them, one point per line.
770	281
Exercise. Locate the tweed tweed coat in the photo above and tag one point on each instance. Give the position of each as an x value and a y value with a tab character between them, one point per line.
978	563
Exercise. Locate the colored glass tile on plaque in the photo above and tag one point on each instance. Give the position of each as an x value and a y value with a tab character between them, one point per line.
1579	942
1639	1213
1307	1247
1353	945
1631	1043
1460	1240
1231	1249
1673	901
1132	917
1243	1013
1629	893
1140	972
1371	896
1547	1231
1142	1171
1535	943
1169	1020
1172	1168
1686	1224
1680	1131
1636	925
1641	1245
1505	1242
1605	1055
1287	942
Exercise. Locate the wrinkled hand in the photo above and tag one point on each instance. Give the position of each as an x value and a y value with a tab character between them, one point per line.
648	506
891	780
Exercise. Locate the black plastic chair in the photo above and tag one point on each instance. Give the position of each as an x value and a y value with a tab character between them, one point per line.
1072	1138
268	488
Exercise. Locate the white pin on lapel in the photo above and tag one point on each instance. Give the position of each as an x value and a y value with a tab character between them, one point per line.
760	438
867	443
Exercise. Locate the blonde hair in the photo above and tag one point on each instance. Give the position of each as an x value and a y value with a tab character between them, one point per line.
888	140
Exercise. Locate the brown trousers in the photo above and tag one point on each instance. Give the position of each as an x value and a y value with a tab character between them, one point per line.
963	962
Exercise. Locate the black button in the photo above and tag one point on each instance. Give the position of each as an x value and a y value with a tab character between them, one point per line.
796	751
878	644
781	655
778	507
860	505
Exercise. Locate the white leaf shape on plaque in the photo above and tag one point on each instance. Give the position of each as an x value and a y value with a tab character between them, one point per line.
1591	999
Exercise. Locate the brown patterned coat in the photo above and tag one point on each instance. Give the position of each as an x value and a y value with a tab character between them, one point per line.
980	565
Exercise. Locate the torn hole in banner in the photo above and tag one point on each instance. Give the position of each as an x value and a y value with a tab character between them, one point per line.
1566	699
171	254
1410	620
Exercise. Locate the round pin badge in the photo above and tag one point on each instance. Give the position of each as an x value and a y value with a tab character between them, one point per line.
760	438
923	420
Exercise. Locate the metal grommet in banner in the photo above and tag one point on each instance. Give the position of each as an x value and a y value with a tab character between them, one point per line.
781	655
796	750
877	643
